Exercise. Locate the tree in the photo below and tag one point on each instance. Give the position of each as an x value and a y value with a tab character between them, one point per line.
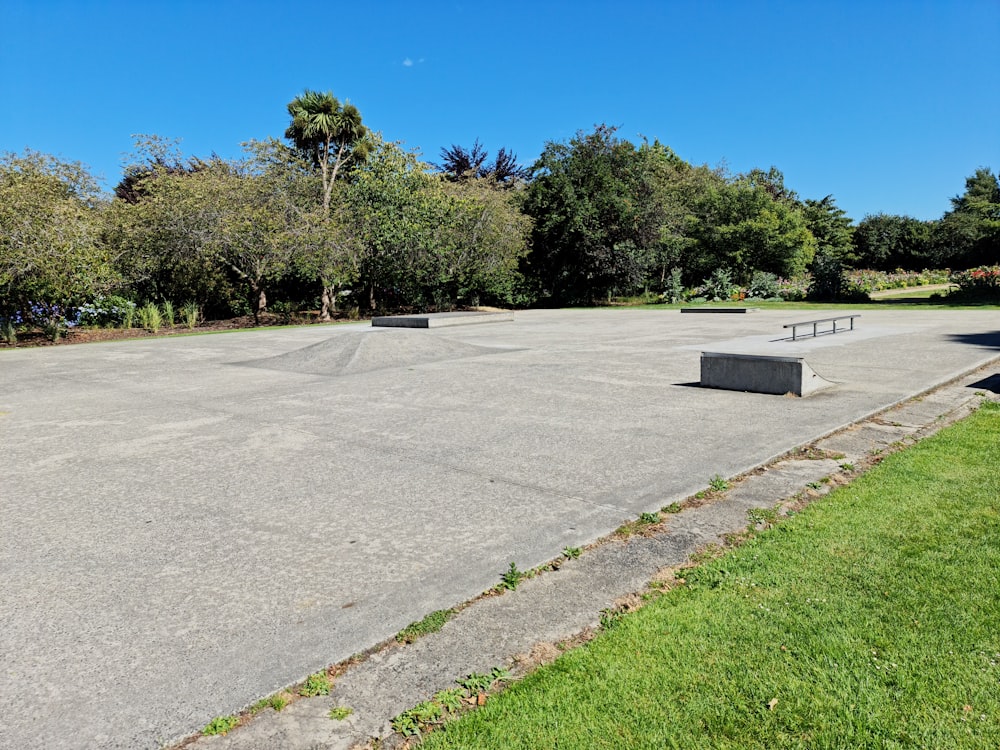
459	164
153	155
595	223
505	169
425	241
885	242
331	134
227	226
772	182
483	239
831	227
51	252
741	226
674	188
969	234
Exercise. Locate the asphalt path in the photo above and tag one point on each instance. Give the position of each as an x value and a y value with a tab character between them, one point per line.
191	523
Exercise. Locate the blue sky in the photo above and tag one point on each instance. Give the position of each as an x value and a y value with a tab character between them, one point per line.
886	105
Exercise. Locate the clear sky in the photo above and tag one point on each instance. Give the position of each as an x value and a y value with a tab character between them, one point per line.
886	105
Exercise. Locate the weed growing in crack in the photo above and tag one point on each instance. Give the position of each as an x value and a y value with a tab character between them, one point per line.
475	683
847	467
758	516
511	577
316	684
718	483
571	553
412	722
278	701
672	508
446	703
220	725
450	700
648	518
339	713
432	623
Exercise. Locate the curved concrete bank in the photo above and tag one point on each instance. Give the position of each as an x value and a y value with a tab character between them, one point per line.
760	373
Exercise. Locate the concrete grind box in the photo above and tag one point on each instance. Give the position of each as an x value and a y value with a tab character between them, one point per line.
760	373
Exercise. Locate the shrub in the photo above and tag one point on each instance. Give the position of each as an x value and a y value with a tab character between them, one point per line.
763	285
190	314
982	283
720	286
830	282
794	290
674	292
8	329
105	311
150	318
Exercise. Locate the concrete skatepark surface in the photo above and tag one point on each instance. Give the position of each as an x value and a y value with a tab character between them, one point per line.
191	524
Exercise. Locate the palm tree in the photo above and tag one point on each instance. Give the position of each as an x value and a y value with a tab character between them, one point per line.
330	133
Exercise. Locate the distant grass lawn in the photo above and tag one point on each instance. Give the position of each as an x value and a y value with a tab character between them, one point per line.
869	620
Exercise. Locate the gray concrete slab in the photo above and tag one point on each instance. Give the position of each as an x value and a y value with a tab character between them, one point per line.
522	628
186	529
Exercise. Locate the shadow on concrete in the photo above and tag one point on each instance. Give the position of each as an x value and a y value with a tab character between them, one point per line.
991	383
989	340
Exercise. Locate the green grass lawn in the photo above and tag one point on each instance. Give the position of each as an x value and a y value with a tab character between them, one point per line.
869	620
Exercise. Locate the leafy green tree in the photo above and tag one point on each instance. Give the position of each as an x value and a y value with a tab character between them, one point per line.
486	237
831	227
51	251
595	220
152	155
885	242
743	227
425	241
682	197
772	182
331	134
969	234
229	225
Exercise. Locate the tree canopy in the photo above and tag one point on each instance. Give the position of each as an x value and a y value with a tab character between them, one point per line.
335	213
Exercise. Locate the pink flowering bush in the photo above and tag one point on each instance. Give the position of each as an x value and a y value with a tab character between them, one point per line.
977	283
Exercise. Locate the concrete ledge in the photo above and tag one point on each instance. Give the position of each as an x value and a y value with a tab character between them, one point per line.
760	373
729	310
440	320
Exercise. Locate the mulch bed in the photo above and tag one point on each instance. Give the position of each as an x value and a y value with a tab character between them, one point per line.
36	338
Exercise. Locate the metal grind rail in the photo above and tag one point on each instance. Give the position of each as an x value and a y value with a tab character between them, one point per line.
815	323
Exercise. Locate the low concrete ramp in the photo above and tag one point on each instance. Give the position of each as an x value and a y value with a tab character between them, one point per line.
760	373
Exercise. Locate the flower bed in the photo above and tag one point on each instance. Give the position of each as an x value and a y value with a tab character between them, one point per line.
977	283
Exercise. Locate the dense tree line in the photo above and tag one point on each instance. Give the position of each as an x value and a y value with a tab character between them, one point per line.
336	216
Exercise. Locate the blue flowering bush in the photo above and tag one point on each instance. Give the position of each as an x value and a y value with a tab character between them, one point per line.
105	312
